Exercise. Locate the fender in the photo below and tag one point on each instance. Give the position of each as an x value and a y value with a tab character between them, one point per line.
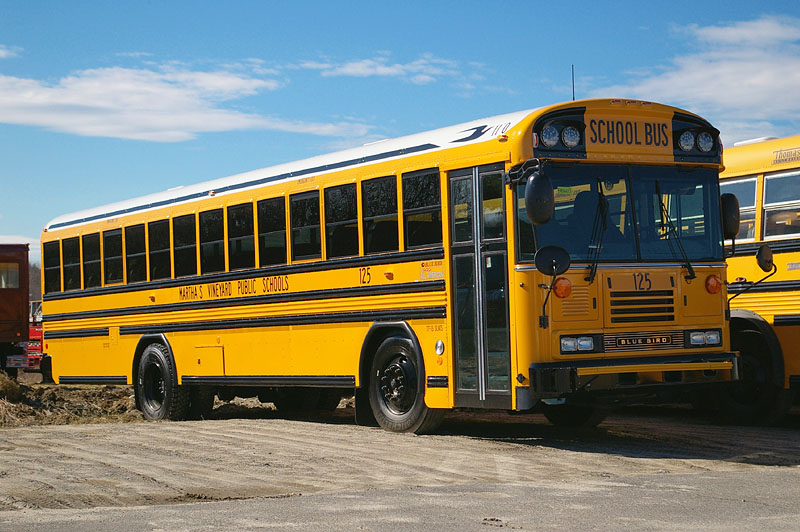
755	321
144	341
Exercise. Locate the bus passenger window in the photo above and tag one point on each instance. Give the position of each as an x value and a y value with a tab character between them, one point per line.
91	261
422	212
782	205
304	212
341	221
112	256
51	262
745	192
184	245
379	207
158	240
135	257
71	259
271	232
241	248
212	242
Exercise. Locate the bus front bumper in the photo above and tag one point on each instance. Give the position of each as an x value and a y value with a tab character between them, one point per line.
628	376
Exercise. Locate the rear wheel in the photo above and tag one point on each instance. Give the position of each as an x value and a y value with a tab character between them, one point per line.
157	392
757	398
574	415
397	389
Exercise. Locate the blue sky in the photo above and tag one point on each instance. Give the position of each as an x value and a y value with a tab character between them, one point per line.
104	101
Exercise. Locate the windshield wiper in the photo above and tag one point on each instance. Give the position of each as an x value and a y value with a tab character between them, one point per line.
674	233
598	231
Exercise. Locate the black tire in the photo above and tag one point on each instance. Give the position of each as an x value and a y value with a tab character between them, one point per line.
397	389
574	415
157	392
201	402
756	398
11	372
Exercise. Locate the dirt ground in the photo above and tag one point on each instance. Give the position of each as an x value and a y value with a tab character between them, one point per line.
85	447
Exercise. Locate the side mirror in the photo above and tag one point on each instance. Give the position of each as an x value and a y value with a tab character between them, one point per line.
764	258
552	260
539	201
730	216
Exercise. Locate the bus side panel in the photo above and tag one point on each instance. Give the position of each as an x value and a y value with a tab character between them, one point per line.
789	337
428	332
91	357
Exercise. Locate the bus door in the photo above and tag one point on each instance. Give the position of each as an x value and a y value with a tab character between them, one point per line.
479	287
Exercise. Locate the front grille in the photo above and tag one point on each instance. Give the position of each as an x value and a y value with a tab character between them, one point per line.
642	307
643	341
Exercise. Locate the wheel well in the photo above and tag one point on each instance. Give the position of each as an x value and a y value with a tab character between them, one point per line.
375	336
743	320
144	341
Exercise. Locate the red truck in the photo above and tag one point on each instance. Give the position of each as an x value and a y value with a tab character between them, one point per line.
14	308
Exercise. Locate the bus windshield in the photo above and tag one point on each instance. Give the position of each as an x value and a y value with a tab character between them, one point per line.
628	213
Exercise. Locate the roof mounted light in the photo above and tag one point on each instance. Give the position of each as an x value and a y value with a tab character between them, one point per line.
686	141
705	142
570	137
549	136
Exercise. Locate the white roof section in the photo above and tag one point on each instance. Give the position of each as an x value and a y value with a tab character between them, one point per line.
384	150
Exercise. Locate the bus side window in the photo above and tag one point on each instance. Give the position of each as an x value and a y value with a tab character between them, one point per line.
71	259
304	212
422	212
271	232
341	221
379	207
91	260
158	240
135	257
782	205
184	245
51	262
212	242
241	249
112	256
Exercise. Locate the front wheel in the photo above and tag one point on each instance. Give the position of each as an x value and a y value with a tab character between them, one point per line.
397	389
574	415
157	392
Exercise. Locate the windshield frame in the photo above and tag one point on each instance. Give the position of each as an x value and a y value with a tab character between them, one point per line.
706	246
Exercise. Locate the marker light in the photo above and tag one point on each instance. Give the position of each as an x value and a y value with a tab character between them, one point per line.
549	136
439	348
705	142
562	287
570	137
686	141
713	284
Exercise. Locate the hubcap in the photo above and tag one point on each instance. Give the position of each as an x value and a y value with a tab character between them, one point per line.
398	385
154	386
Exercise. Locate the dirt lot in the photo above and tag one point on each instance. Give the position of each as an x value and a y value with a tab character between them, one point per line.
84	447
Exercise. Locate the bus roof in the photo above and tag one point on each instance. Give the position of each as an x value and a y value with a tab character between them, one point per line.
438	139
772	155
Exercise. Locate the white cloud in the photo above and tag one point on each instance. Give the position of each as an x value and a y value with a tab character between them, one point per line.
9	51
426	69
167	103
745	76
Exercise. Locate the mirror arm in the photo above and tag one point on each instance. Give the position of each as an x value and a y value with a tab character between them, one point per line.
544	320
773	272
520	171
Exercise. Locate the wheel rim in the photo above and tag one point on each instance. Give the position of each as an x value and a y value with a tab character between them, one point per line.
154	386
398	385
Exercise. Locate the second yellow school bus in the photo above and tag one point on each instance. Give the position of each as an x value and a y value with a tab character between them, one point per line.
410	272
765	177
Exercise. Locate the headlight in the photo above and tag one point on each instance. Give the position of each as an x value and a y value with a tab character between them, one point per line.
585	343
705	142
686	141
570	137
713	338
569	344
549	136
697	338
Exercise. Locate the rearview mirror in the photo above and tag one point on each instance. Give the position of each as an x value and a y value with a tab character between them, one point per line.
730	216
764	258
552	260
539	200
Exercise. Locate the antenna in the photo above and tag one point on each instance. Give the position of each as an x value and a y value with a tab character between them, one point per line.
573	82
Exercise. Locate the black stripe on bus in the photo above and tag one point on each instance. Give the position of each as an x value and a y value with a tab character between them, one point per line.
786	321
370	260
76	333
300	319
773	286
93	380
331	293
777	246
438	381
326	381
253	183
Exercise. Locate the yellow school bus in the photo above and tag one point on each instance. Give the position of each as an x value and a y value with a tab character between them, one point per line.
564	258
764	174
